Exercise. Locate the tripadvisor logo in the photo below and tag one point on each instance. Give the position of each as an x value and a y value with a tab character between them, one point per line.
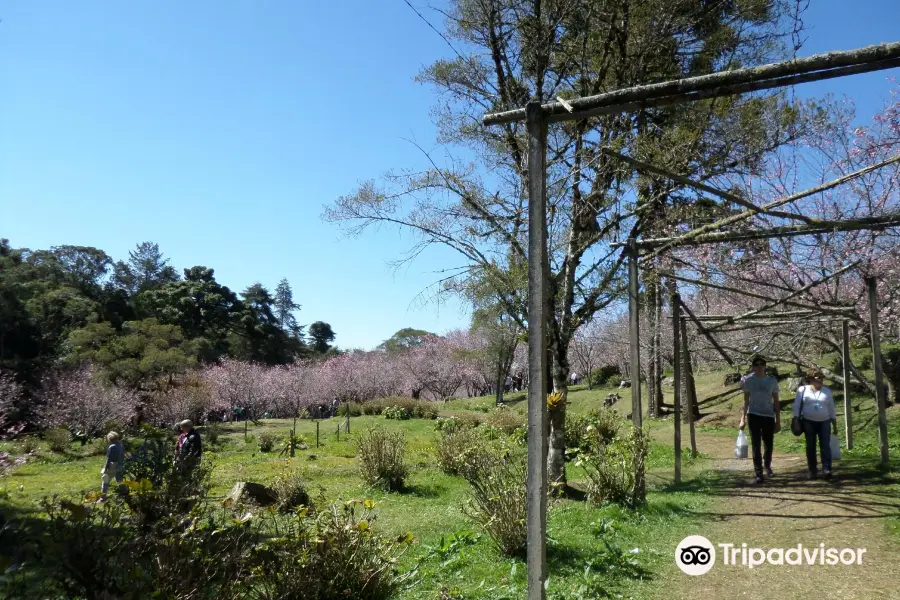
696	555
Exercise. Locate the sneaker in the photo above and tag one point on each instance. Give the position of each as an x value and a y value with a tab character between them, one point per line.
759	478
826	474
813	475
769	473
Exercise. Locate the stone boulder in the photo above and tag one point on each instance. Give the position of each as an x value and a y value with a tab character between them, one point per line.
668	381
611	399
625	384
249	492
793	383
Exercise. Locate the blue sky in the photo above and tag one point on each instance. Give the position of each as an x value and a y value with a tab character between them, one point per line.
219	129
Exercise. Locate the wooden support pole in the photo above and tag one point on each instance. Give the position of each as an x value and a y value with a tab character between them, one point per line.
718	225
349	406
707	335
871	284
817	227
800	70
675	304
690	390
845	362
796	292
643	167
634	330
848	312
317	434
536	499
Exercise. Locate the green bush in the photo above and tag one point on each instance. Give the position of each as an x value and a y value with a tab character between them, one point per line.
28	445
586	431
497	502
290	488
458	420
616	470
381	458
333	554
395	412
417	409
152	460
212	432
505	420
600	376
614	381
267	441
59	439
356	409
462	451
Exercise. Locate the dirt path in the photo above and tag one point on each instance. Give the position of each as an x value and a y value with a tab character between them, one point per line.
848	512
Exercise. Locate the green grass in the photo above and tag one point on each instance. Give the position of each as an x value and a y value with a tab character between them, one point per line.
465	563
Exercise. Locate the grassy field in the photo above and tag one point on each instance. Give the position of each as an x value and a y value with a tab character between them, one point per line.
591	550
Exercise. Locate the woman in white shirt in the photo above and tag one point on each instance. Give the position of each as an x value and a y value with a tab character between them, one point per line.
814	406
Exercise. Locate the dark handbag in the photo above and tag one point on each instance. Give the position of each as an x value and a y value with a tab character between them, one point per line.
797	422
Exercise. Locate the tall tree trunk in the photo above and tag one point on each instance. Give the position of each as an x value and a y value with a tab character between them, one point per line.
556	454
654	362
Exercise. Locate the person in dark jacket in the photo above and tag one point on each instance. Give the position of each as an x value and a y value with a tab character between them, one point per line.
188	450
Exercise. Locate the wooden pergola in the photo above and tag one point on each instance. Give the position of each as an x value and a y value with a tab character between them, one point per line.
536	117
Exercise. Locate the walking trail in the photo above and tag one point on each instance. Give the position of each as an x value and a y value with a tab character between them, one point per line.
850	511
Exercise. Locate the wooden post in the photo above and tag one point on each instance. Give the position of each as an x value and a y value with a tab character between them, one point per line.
348	418
536	510
675	304
634	330
317	434
690	390
879	374
845	361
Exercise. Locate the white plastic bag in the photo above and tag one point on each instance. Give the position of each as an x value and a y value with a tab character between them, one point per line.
835	448
740	448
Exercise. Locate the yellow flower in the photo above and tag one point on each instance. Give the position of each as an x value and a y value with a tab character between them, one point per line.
369	504
554	400
362	525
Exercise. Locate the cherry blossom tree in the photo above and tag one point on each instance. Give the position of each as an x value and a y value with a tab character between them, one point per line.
187	397
10	398
80	402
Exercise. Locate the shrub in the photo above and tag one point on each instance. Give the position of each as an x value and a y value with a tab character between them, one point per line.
395	412
497	503
417	409
291	491
95	448
181	490
28	445
505	420
616	470
381	456
334	554
212	432
58	439
600	376
460	419
356	409
614	381
96	551
596	427
152	460
462	451
267	441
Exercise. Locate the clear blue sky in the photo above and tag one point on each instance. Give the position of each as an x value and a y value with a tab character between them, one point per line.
219	129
